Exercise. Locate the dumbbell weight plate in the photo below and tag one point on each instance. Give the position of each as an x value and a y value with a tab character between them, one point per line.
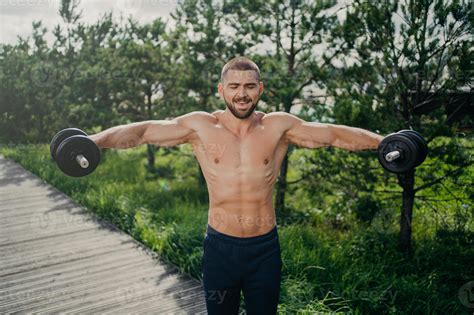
417	145
418	138
60	137
70	148
408	153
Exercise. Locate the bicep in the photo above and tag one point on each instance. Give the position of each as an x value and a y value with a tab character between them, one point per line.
169	132
309	134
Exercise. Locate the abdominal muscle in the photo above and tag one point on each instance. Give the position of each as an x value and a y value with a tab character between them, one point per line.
242	219
257	220
241	205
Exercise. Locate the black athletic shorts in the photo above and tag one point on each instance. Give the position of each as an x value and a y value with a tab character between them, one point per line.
251	264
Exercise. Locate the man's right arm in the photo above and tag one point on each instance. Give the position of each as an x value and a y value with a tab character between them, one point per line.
158	132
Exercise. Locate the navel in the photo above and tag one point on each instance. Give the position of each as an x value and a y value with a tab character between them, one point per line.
216	160
265	161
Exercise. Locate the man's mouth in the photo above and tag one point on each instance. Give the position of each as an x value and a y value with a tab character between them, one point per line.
242	103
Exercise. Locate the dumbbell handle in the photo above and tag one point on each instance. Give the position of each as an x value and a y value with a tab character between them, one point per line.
83	162
390	156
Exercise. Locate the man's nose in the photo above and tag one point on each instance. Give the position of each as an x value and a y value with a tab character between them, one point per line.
241	92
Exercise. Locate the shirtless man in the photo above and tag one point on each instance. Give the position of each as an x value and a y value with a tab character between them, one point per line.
240	151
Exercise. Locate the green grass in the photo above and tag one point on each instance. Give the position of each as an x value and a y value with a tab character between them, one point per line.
355	270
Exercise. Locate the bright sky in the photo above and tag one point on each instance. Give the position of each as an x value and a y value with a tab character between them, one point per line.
16	16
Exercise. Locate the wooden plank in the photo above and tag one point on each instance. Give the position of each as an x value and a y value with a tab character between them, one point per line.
57	258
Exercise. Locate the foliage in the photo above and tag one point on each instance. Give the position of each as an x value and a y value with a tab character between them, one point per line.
326	267
381	66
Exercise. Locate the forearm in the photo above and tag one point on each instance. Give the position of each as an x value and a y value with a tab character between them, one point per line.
121	137
354	139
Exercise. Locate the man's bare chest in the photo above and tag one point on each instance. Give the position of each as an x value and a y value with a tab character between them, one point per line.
220	148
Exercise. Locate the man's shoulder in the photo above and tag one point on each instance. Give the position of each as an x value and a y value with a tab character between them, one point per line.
216	113
282	120
277	117
196	119
198	116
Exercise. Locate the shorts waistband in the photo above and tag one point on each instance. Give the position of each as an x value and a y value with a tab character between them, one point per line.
211	232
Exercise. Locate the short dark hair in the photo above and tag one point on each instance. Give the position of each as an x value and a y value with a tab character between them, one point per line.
240	63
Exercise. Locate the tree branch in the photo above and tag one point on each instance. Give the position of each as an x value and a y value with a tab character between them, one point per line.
298	180
436	76
451	193
441	178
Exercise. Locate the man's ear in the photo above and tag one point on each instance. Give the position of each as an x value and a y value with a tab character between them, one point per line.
260	88
220	88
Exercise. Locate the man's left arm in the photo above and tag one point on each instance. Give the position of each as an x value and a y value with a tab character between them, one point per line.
315	135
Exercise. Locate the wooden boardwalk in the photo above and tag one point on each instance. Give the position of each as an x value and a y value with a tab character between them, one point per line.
55	258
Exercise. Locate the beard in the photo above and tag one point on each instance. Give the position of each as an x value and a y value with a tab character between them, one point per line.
238	113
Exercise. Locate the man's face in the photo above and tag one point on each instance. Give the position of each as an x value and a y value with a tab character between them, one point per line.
241	92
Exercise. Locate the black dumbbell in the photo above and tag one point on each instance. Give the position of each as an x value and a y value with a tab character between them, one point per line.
421	143
402	151
75	154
